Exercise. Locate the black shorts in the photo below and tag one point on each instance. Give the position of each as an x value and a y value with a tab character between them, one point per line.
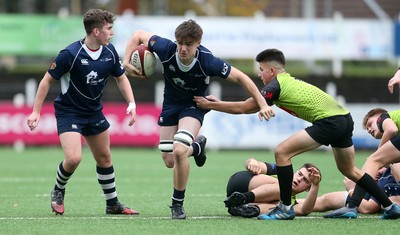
86	125
396	141
336	131
239	182
171	114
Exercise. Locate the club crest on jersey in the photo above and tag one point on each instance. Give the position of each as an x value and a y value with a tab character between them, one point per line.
172	68
179	82
84	62
91	78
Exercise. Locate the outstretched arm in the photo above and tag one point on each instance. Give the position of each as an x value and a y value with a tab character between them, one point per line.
234	107
248	85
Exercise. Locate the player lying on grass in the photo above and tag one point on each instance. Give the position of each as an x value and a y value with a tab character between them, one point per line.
382	125
369	205
256	190
331	125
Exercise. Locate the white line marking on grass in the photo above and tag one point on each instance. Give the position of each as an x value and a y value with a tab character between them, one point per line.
121	217
135	217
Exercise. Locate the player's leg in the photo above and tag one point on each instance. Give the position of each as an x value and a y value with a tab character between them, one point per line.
292	146
386	154
71	145
383	156
265	188
329	201
198	150
99	145
188	127
344	158
237	189
166	144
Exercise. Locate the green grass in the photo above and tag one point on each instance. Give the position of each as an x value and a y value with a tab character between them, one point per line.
144	184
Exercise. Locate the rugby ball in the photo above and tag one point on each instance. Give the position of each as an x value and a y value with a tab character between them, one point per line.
144	60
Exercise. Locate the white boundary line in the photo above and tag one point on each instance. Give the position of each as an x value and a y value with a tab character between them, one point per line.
135	217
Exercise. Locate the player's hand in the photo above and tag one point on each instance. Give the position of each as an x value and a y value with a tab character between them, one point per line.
266	112
315	176
380	173
33	120
204	102
253	166
393	81
131	110
349	184
132	71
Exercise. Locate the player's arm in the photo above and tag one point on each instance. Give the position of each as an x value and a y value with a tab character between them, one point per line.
248	85
43	90
124	87
389	130
138	37
233	107
394	80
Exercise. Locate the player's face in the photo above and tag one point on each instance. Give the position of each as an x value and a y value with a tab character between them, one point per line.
187	51
267	72
301	181
372	127
105	34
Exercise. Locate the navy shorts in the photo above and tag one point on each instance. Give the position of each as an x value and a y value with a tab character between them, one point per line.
336	131
171	114
239	182
87	125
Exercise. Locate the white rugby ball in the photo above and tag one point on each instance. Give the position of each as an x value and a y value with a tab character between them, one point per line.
144	60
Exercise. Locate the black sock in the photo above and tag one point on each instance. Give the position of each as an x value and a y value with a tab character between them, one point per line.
250	197
106	179
62	178
356	197
285	178
178	197
196	149
369	185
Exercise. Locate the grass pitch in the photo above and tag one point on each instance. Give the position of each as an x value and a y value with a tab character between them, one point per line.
144	184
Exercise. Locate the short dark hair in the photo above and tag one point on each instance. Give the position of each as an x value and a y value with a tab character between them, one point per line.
309	165
96	18
269	55
371	113
187	31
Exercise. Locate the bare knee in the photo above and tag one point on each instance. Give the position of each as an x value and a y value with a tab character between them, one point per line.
72	162
168	160
281	156
180	152
103	160
353	173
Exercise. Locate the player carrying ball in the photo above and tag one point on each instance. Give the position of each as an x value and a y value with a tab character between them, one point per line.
187	69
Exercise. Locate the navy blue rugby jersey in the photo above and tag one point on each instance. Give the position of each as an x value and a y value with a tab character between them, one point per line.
83	75
183	82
